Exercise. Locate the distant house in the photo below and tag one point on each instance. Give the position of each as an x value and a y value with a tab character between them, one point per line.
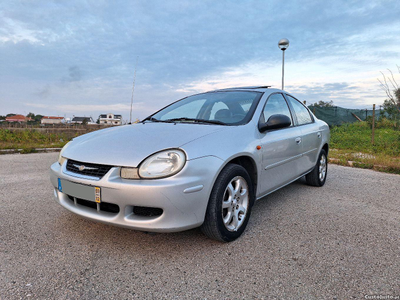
110	119
80	120
18	119
52	120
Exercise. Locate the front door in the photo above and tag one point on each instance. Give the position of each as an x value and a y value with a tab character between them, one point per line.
281	148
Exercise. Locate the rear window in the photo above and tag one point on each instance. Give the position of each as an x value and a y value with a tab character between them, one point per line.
301	112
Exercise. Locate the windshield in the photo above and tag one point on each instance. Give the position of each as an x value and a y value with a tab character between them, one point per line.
224	108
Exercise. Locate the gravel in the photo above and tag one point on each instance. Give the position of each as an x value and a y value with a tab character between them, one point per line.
336	242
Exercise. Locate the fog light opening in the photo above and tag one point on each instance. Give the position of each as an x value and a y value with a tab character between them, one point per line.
147	211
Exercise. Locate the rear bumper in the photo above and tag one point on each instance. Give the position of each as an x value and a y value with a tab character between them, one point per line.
183	198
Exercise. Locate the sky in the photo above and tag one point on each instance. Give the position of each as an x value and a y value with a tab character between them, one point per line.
66	58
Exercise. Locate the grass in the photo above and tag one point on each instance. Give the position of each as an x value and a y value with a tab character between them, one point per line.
351	145
28	140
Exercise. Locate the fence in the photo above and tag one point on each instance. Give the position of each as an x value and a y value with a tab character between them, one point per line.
338	115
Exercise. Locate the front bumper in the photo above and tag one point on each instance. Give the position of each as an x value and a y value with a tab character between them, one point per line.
183	197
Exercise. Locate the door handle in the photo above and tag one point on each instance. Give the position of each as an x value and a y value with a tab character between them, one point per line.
319	135
298	140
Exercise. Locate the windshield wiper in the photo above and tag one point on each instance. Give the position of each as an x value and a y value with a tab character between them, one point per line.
151	119
194	121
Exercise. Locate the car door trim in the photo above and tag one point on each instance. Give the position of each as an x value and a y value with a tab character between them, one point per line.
309	151
283	162
289	159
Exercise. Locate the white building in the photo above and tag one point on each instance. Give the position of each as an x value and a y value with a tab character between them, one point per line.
52	120
110	119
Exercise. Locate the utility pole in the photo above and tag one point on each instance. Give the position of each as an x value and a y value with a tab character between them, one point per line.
133	89
283	45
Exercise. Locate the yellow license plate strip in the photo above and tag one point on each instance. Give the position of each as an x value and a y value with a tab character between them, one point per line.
97	194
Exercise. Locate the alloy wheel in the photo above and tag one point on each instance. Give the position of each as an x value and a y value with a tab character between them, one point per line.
235	203
322	168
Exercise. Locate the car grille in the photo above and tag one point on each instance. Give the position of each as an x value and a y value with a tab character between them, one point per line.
87	169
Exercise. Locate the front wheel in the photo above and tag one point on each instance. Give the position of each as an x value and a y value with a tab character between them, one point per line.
317	176
230	203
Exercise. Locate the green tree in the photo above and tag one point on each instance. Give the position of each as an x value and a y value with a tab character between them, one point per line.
391	111
31	115
397	95
323	104
38	118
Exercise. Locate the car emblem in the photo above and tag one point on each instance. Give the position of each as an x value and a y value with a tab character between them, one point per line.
83	167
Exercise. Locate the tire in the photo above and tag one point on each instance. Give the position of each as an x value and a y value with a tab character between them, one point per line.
317	176
229	206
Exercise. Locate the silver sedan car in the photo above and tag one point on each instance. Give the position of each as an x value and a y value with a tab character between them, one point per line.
201	161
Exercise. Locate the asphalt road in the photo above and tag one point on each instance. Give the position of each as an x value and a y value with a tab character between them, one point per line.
336	242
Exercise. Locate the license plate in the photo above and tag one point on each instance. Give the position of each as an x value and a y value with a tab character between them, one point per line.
81	191
97	194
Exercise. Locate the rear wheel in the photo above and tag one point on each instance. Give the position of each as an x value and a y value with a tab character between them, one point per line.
317	176
230	203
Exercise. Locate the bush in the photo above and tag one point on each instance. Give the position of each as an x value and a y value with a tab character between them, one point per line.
384	123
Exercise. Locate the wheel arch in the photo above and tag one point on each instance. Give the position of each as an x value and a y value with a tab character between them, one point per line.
326	148
249	164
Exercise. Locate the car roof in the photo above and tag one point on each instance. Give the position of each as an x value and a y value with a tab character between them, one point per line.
263	88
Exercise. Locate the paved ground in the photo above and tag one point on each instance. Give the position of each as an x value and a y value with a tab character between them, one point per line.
336	242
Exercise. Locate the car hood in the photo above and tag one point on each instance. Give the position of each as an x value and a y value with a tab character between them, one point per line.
129	145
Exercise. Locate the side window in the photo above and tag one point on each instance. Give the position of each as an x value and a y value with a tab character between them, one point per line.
302	114
276	104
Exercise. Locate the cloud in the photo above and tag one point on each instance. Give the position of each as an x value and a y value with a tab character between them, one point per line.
15	31
84	52
94	110
84	108
104	107
37	105
74	74
44	92
354	94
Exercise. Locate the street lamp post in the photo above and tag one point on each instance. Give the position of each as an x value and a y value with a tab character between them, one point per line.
283	44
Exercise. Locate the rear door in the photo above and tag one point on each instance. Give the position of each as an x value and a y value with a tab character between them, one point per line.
310	134
281	148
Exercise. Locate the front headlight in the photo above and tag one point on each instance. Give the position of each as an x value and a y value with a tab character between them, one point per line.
62	159
159	165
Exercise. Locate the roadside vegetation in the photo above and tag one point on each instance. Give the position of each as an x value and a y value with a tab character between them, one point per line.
28	140
351	145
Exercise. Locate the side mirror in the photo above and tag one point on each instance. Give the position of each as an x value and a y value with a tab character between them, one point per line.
275	122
